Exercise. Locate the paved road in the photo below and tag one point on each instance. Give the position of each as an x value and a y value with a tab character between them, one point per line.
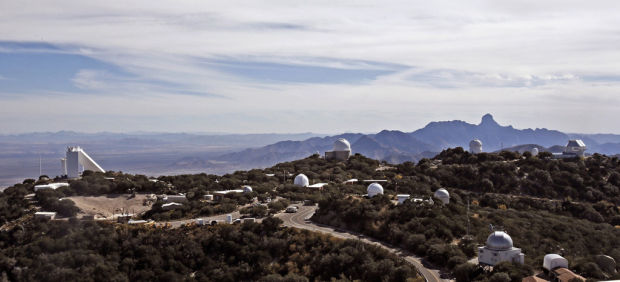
300	220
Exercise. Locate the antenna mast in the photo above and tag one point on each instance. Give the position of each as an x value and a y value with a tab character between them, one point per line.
40	171
468	217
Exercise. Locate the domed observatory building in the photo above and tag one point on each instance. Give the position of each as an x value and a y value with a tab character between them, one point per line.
374	189
301	180
341	152
475	146
534	151
575	147
498	249
443	195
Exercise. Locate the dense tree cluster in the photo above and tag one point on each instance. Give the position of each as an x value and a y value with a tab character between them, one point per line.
96	251
436	231
51	200
12	202
592	179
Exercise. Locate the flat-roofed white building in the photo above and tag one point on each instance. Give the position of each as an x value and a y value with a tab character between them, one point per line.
171	206
402	198
45	215
350	181
52	186
553	261
175	198
318	186
219	195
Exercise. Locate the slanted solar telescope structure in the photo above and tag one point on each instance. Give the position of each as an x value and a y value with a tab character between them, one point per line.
76	159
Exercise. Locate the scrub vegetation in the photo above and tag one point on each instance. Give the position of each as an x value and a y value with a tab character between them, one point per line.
100	251
567	206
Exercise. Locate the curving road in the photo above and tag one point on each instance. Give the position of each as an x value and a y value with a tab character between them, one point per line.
301	220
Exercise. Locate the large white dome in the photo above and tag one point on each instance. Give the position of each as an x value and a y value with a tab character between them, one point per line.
342	145
374	189
499	241
301	180
475	146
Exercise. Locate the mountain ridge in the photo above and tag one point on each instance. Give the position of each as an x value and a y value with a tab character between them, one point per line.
397	146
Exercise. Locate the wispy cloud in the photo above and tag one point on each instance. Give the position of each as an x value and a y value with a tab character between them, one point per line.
421	60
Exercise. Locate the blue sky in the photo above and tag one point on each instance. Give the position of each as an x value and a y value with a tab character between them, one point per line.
288	66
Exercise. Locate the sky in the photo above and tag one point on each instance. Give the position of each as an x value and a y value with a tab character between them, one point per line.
307	66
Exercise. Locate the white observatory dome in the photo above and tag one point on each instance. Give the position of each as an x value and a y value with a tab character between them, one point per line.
534	151
247	189
342	145
499	241
475	146
301	180
374	189
443	195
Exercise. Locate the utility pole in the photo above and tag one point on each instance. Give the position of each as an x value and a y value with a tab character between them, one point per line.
468	217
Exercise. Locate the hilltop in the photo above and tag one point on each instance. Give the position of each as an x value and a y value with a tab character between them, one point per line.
565	203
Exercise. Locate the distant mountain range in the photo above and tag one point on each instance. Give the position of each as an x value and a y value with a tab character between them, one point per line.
396	146
178	153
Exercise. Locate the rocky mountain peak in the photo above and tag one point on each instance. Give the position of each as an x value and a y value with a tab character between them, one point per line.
487	120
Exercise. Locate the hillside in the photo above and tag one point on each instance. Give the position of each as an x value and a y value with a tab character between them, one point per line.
569	204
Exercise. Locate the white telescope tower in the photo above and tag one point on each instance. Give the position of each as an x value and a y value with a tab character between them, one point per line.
76	157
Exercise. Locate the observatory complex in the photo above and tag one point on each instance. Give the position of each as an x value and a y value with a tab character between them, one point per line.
77	161
475	146
341	152
498	249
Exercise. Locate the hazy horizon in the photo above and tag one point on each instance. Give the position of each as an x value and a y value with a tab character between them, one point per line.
139	132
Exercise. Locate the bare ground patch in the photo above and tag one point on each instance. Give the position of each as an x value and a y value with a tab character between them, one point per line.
106	206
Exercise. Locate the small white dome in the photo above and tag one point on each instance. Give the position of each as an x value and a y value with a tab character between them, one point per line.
301	180
499	241
374	189
443	195
342	145
247	189
534	151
